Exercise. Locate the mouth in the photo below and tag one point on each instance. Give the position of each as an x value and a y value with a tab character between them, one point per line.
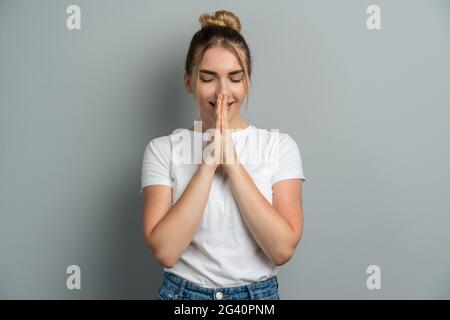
212	104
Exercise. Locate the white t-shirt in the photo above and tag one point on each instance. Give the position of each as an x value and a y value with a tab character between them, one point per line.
223	252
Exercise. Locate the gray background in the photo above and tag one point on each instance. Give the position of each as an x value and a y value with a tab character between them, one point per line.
368	109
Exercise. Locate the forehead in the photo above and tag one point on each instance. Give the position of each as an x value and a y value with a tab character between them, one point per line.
219	59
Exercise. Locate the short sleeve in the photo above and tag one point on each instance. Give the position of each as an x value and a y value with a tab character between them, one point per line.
156	163
286	159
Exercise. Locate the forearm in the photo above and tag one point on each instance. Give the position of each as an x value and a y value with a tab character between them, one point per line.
173	234
270	230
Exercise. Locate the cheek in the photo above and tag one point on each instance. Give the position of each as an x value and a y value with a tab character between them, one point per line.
240	94
206	90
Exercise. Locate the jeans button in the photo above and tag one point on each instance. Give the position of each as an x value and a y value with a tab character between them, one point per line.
219	295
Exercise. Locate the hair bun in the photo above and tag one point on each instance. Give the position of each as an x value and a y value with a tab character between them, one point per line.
221	18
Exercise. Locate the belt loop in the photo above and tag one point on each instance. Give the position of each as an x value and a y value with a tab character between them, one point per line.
250	292
180	291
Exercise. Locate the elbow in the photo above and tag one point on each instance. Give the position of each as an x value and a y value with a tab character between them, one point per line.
283	259
288	253
167	263
165	260
285	256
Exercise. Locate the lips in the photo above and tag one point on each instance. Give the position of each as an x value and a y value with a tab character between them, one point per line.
212	104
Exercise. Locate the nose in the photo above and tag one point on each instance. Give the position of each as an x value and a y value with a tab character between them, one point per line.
225	94
223	89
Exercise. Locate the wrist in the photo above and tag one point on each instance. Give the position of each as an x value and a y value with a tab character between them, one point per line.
208	168
232	167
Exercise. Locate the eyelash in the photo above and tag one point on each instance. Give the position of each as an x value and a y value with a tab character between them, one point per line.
235	81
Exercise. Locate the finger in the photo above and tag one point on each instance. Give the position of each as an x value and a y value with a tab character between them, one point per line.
220	104
224	128
224	107
218	123
225	112
220	112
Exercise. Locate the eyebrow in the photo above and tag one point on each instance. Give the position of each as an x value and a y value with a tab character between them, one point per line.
215	73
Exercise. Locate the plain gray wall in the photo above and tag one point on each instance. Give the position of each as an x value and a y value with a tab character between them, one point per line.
368	109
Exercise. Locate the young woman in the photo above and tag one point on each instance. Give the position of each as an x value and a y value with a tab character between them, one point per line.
221	226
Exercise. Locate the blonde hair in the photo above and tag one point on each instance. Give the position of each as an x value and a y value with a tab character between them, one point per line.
223	29
221	18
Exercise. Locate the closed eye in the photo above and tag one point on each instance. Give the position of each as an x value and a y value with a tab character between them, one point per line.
203	80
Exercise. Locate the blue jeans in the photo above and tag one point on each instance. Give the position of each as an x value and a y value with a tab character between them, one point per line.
177	288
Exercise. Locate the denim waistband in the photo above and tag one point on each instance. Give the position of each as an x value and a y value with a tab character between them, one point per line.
183	283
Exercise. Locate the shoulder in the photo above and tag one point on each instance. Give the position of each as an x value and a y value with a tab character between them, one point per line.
166	140
159	142
165	144
159	146
274	138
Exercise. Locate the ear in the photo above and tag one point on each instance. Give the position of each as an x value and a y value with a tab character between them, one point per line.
187	83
